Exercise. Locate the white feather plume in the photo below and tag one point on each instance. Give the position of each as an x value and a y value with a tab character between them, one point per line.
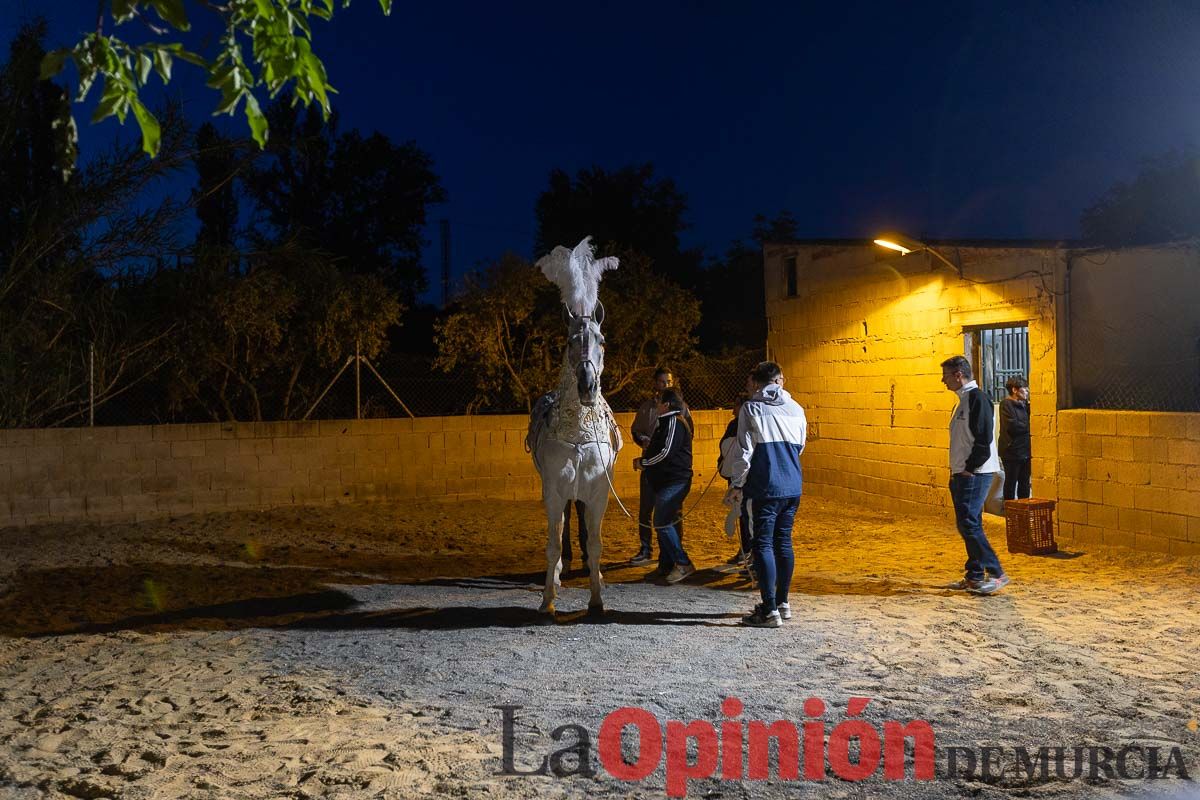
577	274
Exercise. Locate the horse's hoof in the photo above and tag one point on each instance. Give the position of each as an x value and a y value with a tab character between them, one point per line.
595	609
547	608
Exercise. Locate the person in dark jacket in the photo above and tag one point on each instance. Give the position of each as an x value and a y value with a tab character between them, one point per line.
667	462
566	535
644	424
1015	451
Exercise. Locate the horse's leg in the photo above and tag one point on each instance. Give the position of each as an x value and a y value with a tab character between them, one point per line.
554	519
594	515
566	537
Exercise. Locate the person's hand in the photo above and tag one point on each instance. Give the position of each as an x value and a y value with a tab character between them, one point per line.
964	474
637	463
642	440
733	497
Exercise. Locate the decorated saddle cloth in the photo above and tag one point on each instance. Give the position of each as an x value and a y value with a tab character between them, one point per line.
573	423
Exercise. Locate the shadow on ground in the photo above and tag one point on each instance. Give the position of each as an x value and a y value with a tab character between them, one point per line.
166	597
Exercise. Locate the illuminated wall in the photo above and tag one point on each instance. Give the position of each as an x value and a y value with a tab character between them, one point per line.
1130	479
147	472
861	341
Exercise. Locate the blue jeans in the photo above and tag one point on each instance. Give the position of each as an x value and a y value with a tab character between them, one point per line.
645	512
668	507
772	543
968	494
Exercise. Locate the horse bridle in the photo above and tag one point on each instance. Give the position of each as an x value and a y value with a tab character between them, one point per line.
585	318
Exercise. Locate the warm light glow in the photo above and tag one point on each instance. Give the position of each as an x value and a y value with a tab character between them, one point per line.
893	246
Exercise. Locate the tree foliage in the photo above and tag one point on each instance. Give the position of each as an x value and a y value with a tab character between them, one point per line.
278	34
508	331
360	199
733	293
261	343
69	255
217	163
629	209
1161	204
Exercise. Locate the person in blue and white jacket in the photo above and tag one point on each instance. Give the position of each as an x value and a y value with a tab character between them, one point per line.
766	474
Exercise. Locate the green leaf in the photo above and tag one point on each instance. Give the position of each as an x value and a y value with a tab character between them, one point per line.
229	100
145	65
265	8
257	120
151	132
386	5
172	13
52	63
111	97
302	23
123	10
162	64
221	77
187	55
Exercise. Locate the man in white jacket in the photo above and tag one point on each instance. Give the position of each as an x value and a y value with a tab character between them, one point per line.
973	462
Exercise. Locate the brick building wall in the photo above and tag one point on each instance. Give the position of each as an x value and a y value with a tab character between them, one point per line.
1130	479
861	341
143	472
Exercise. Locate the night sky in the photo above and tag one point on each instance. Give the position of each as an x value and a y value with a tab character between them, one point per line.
942	120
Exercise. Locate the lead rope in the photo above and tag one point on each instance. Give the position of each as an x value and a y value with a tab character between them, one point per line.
608	474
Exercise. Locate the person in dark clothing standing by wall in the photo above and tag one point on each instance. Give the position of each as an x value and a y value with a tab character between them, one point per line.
973	463
1015	451
566	535
667	465
645	423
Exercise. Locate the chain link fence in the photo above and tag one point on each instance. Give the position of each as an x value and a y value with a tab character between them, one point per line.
403	385
1172	385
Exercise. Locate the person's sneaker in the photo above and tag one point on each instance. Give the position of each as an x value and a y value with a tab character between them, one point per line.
785	610
758	619
679	572
642	557
992	585
964	585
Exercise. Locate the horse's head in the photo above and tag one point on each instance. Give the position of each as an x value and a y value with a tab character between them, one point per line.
585	353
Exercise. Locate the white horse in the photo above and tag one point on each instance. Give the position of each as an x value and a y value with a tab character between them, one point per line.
573	435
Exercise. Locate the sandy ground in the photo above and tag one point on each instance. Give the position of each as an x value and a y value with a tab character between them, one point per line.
360	651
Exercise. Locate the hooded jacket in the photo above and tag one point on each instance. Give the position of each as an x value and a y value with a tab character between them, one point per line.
771	433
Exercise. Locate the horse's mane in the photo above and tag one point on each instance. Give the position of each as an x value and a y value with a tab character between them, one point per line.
577	274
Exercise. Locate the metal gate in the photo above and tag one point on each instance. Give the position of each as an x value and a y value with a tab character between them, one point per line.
999	354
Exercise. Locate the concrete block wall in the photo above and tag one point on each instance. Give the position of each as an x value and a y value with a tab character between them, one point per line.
143	472
861	344
1130	479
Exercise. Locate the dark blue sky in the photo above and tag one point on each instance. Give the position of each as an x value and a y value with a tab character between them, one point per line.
946	120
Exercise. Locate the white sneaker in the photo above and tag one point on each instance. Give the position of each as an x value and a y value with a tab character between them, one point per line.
680	572
785	610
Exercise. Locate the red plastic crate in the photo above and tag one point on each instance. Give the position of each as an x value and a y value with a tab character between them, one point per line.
1030	526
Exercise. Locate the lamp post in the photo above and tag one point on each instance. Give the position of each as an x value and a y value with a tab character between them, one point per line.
903	245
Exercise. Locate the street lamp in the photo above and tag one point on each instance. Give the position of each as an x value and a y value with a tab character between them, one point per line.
903	245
